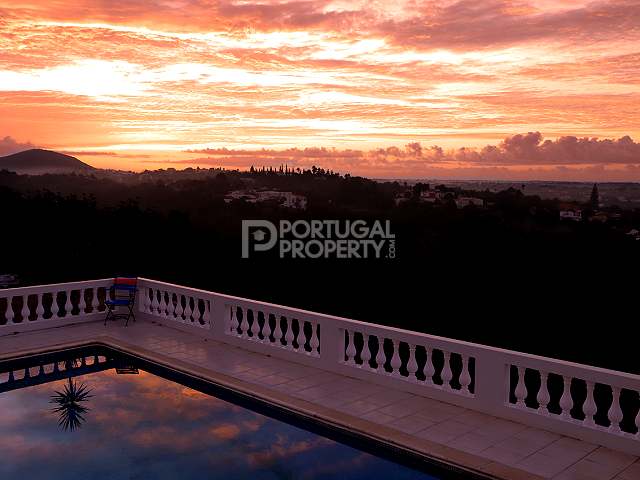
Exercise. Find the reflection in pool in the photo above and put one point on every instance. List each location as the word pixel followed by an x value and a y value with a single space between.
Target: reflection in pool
pixel 141 426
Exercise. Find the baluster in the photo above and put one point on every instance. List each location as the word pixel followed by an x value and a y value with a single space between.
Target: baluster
pixel 447 374
pixel 615 412
pixel 255 327
pixel 366 353
pixel 395 359
pixel 155 305
pixel 168 313
pixel 288 337
pixel 9 314
pixel 179 309
pixel 351 348
pixel 54 305
pixel 298 335
pixel 244 325
pixel 196 311
pixel 173 306
pixel 187 309
pixel 206 316
pixel 25 309
pixel 265 329
pixel 566 402
pixel 39 308
pixel 161 303
pixel 380 355
pixel 82 305
pixel 314 343
pixel 94 300
pixel 543 393
pixel 589 408
pixel 521 388
pixel 412 364
pixel 162 306
pixel 233 320
pixel 465 375
pixel 277 332
pixel 68 305
pixel 429 368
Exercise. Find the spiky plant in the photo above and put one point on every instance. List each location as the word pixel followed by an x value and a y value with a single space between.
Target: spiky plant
pixel 70 409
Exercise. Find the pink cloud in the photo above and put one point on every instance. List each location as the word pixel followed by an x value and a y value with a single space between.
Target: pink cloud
pixel 9 145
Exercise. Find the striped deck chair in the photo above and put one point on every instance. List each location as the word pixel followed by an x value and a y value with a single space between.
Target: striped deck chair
pixel 122 294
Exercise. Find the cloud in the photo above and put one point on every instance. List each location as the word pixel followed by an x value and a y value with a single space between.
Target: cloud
pixel 225 431
pixel 530 149
pixel 514 151
pixel 472 24
pixel 343 73
pixel 8 146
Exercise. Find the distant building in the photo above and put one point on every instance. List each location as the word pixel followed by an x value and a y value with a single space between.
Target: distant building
pixel 599 217
pixel 462 202
pixel 573 214
pixel 403 197
pixel 430 196
pixel 245 195
pixel 285 199
pixel 292 200
pixel 8 280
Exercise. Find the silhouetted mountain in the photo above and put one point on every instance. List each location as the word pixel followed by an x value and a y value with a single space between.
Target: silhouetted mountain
pixel 37 161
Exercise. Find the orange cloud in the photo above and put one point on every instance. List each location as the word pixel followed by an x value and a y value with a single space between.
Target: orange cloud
pixel 226 431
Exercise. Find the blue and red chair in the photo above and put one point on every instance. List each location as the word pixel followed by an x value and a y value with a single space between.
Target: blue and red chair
pixel 122 294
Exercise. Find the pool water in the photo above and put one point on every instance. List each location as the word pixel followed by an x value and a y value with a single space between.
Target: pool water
pixel 137 425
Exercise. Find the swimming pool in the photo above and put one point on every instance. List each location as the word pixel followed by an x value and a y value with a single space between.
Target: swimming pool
pixel 96 413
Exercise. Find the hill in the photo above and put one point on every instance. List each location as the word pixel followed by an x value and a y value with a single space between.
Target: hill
pixel 37 161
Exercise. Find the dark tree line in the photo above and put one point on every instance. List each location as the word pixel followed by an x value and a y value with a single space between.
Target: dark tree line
pixel 511 275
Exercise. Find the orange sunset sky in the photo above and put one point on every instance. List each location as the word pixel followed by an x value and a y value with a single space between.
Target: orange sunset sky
pixel 544 89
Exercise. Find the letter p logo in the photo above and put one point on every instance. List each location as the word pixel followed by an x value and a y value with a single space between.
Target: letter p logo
pixel 254 233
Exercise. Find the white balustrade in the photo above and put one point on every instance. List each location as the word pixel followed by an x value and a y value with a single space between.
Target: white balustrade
pixel 585 413
pixel 175 305
pixel 28 308
pixel 593 404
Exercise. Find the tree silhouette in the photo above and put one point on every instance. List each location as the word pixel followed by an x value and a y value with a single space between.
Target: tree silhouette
pixel 70 409
pixel 595 197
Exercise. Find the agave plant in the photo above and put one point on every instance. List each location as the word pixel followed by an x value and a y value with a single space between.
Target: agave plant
pixel 70 409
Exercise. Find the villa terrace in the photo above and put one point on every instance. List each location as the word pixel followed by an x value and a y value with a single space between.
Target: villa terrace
pixel 490 411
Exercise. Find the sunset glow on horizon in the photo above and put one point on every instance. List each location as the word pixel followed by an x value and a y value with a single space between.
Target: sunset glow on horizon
pixel 493 89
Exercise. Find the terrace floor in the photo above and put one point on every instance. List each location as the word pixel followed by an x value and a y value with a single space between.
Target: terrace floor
pixel 455 435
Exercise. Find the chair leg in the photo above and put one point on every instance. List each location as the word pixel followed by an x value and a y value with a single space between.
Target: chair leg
pixel 131 315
